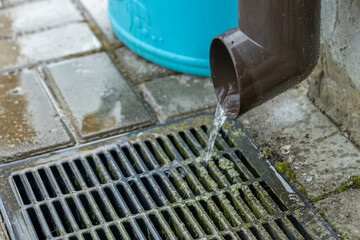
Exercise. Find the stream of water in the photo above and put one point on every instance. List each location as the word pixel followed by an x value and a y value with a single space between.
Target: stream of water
pixel 219 120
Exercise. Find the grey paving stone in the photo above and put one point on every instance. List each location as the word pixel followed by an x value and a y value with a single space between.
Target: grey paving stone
pixel 99 99
pixel 98 11
pixel 51 44
pixel 342 211
pixel 179 95
pixel 137 68
pixel 29 124
pixel 37 15
pixel 321 157
pixel 10 3
pixel 3 231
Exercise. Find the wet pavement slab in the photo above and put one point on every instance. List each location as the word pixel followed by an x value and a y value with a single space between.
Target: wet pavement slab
pixel 10 3
pixel 29 124
pixel 100 101
pixel 138 69
pixel 179 95
pixel 321 157
pixel 47 45
pixel 23 18
pixel 97 10
pixel 343 212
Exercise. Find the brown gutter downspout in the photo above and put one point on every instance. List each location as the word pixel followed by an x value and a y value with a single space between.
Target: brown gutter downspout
pixel 275 46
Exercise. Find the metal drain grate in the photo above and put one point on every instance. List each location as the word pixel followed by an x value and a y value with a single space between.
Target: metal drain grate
pixel 150 184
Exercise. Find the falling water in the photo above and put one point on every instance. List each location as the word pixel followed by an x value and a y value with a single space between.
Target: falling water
pixel 219 120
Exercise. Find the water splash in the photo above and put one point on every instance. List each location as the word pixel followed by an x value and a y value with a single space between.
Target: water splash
pixel 219 120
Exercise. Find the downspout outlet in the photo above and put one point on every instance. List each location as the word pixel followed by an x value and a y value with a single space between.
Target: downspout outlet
pixel 275 46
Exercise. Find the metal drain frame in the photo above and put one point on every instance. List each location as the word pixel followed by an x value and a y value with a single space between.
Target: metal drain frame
pixel 253 177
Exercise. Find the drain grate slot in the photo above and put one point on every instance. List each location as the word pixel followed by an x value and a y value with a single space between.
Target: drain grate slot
pixel 116 156
pixel 159 159
pixel 132 160
pixel 130 230
pixel 36 223
pixel 71 175
pixel 101 206
pixel 165 148
pixel 200 218
pixel 198 137
pixel 116 233
pixel 115 203
pixel 247 164
pixel 174 225
pixel 109 168
pixel 34 186
pixel 50 221
pixel 145 229
pixel 59 180
pixel 84 173
pixel 153 185
pixel 153 193
pixel 273 196
pixel 101 234
pixel 217 143
pixel 256 233
pixel 178 146
pixel 270 230
pixel 241 212
pixel 181 188
pixel 96 170
pixel 87 236
pixel 63 217
pixel 299 227
pixel 76 213
pixel 89 210
pixel 130 201
pixel 140 195
pixel 187 222
pixel 19 183
pixel 164 188
pixel 225 211
pixel 213 216
pixel 144 157
pixel 202 176
pixel 47 184
pixel 189 143
pixel 227 139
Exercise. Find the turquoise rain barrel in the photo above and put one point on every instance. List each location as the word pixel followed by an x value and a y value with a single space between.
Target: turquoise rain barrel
pixel 172 33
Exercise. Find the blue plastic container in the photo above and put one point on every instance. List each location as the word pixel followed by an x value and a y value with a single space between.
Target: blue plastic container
pixel 172 33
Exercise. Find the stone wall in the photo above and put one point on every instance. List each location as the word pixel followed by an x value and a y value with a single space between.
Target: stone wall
pixel 335 83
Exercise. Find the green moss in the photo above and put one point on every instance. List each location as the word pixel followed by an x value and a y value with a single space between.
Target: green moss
pixel 317 199
pixel 356 181
pixel 228 166
pixel 303 191
pixel 268 151
pixel 342 188
pixel 225 164
pixel 237 186
pixel 321 213
pixel 286 169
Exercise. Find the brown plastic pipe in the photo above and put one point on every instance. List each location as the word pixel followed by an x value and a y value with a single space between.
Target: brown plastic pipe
pixel 275 46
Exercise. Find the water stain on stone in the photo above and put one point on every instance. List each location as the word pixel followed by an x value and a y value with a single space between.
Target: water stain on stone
pixel 15 127
pixel 102 118
pixel 5 25
pixel 10 53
